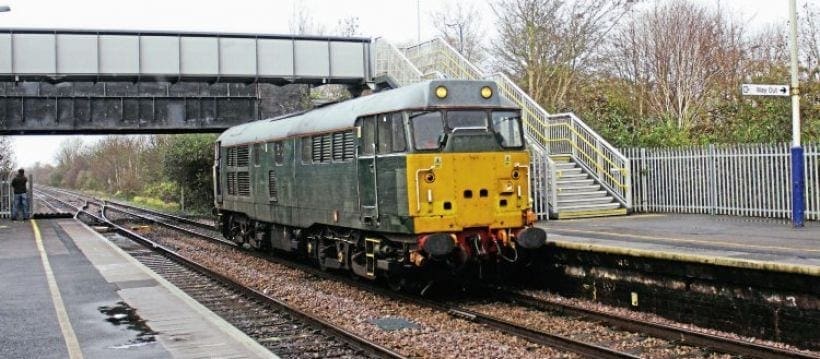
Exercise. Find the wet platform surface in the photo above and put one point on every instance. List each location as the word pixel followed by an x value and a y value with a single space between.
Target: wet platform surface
pixel 723 240
pixel 73 294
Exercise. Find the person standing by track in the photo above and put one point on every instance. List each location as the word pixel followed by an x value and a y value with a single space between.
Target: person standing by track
pixel 20 186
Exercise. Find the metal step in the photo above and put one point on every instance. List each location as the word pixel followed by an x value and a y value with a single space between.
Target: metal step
pixel 580 194
pixel 578 188
pixel 570 203
pixel 566 166
pixel 575 182
pixel 569 171
pixel 592 213
pixel 588 207
pixel 572 176
pixel 561 158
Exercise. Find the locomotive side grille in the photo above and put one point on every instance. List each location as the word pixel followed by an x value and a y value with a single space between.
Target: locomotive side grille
pixel 231 156
pixel 242 155
pixel 317 149
pixel 327 148
pixel 272 192
pixel 349 146
pixel 243 184
pixel 231 183
pixel 338 146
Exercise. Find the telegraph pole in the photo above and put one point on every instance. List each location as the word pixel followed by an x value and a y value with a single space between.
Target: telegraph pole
pixel 798 165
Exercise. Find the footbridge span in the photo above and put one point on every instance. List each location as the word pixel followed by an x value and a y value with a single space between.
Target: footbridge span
pixel 65 81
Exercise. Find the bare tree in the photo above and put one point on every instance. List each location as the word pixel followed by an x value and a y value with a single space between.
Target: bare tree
pixel 302 23
pixel 461 25
pixel 680 56
pixel 545 44
pixel 7 160
pixel 348 26
pixel 810 42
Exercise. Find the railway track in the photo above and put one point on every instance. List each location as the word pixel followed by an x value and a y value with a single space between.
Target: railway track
pixel 286 331
pixel 668 332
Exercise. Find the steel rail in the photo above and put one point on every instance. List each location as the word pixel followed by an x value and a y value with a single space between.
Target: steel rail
pixel 161 214
pixel 535 336
pixel 668 332
pixel 342 333
pixel 78 210
pixel 665 331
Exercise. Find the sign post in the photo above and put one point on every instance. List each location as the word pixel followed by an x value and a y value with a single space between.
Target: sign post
pixel 798 161
pixel 764 90
pixel 797 158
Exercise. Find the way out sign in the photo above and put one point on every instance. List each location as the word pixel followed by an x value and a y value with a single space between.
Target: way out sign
pixel 764 90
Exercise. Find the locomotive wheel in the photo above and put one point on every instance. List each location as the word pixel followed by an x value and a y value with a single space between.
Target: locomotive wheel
pixel 325 249
pixel 234 232
pixel 247 231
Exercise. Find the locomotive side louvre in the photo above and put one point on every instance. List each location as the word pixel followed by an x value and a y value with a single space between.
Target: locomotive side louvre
pixel 428 175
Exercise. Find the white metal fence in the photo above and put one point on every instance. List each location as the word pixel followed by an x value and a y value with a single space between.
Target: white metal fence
pixel 5 199
pixel 742 180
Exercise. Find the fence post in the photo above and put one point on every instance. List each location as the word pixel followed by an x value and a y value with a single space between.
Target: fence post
pixel 643 172
pixel 30 196
pixel 712 180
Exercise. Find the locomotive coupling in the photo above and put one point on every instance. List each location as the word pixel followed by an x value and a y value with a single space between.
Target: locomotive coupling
pixel 438 244
pixel 531 237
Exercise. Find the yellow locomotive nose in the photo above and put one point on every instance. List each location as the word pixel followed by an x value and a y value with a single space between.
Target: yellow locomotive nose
pixel 467 190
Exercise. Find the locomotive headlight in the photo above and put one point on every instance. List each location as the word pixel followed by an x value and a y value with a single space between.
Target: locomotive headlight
pixel 441 92
pixel 486 92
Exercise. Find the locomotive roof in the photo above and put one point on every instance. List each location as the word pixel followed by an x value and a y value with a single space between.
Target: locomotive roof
pixel 343 115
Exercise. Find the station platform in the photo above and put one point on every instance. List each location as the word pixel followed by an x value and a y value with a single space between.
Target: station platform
pixel 67 292
pixel 751 243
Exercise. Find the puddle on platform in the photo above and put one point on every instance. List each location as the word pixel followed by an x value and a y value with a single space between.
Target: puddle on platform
pixel 123 314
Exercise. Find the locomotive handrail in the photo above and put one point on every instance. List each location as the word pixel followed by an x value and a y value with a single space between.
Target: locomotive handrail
pixel 418 185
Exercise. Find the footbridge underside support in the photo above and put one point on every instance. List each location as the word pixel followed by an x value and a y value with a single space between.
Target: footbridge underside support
pixel 69 81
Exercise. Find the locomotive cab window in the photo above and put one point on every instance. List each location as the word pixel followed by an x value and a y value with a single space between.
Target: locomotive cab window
pixel 257 154
pixel 391 137
pixel 278 153
pixel 368 134
pixel 472 120
pixel 507 126
pixel 428 129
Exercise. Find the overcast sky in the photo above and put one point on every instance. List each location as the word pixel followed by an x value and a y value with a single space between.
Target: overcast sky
pixel 392 19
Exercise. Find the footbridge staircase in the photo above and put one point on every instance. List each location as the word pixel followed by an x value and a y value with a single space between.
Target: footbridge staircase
pixel 575 173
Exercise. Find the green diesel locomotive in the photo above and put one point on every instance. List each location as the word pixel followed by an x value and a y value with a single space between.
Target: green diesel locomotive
pixel 434 174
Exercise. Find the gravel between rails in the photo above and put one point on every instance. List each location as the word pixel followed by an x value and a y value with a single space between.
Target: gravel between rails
pixel 581 329
pixel 649 317
pixel 437 335
pixel 576 328
pixel 274 329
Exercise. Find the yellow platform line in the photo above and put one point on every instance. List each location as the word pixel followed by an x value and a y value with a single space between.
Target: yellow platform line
pixel 71 342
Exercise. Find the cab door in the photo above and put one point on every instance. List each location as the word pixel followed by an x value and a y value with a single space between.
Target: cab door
pixel 217 174
pixel 367 164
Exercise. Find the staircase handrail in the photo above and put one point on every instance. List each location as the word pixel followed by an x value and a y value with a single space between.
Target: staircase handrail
pixel 405 72
pixel 592 151
pixel 536 130
pixel 451 54
pixel 598 138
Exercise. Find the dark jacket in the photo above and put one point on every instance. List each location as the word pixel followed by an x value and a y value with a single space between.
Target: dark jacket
pixel 19 184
